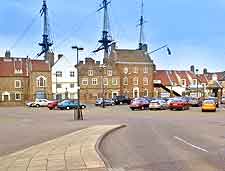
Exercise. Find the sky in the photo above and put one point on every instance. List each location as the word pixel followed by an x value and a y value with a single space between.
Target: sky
pixel 194 30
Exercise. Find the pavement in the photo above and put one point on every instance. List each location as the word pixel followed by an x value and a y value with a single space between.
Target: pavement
pixel 72 152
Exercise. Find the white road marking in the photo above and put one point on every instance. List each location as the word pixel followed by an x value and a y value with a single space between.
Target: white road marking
pixel 199 148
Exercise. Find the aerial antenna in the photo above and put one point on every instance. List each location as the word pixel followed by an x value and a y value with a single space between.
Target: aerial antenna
pixel 141 24
pixel 106 40
pixel 46 43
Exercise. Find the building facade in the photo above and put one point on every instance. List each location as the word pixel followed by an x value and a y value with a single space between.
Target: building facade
pixel 23 79
pixel 64 79
pixel 124 72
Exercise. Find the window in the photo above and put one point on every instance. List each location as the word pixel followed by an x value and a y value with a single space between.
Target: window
pixel 114 81
pixel 17 96
pixel 125 81
pixel 183 82
pixel 58 85
pixel 94 81
pixel 145 80
pixel 135 69
pixel 72 74
pixel 145 92
pixel 195 82
pixel 41 82
pixel 105 81
pixel 145 69
pixel 17 83
pixel 135 81
pixel 72 85
pixel 85 82
pixel 90 73
pixel 109 73
pixel 125 70
pixel 58 73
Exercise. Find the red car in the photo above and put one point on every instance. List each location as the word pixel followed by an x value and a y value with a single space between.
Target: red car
pixel 139 103
pixel 52 105
pixel 179 104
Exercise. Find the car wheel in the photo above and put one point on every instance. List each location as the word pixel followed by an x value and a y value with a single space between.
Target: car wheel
pixel 68 108
pixel 37 105
pixel 132 109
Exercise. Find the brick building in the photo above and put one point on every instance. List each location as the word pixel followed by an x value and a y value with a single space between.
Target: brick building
pixel 124 72
pixel 23 79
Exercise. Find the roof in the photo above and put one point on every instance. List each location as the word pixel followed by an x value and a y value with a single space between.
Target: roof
pixel 220 76
pixel 183 75
pixel 125 55
pixel 40 65
pixel 162 76
pixel 19 66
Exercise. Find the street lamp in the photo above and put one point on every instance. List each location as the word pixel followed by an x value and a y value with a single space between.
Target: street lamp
pixel 79 114
pixel 103 86
pixel 197 80
pixel 165 46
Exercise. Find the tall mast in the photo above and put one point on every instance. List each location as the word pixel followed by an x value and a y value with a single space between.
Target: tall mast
pixel 46 43
pixel 141 24
pixel 106 38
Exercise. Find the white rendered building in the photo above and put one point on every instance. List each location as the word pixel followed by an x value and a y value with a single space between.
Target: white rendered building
pixel 64 79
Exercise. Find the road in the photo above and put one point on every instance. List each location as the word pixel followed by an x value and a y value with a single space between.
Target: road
pixel 152 141
pixel 168 141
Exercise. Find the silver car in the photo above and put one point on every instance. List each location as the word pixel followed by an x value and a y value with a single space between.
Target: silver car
pixel 158 104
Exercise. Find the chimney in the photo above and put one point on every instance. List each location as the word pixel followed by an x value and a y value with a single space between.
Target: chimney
pixel 50 58
pixel 7 54
pixel 192 68
pixel 81 62
pixel 205 71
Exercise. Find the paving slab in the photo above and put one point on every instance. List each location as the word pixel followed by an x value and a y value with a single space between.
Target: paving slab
pixel 72 152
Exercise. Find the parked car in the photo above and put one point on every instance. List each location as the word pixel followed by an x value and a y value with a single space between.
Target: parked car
pixel 179 104
pixel 195 102
pixel 39 103
pixel 121 100
pixel 70 104
pixel 214 99
pixel 223 100
pixel 107 102
pixel 158 104
pixel 209 105
pixel 139 103
pixel 52 105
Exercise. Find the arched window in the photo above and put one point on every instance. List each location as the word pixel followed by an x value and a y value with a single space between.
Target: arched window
pixel 41 81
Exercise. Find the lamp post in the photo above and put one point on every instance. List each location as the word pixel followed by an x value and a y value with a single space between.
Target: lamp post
pixel 103 86
pixel 197 80
pixel 79 114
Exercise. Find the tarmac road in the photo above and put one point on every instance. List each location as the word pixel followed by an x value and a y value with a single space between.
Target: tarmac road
pixel 168 141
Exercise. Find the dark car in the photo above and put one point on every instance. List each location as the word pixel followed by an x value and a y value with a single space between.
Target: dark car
pixel 139 103
pixel 179 104
pixel 121 100
pixel 70 104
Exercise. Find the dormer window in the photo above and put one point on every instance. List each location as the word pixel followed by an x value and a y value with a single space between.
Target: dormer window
pixel 195 82
pixel 183 82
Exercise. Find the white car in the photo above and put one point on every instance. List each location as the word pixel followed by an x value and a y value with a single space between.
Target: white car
pixel 38 103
